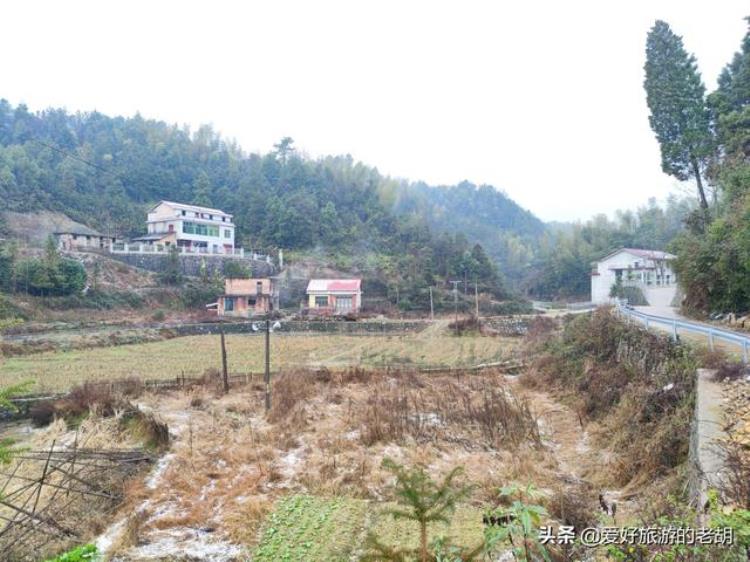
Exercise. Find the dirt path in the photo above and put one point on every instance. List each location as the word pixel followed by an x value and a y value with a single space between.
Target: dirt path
pixel 562 432
pixel 436 327
pixel 578 460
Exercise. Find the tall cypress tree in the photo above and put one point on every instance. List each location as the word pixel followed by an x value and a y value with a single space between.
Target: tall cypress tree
pixel 676 97
pixel 730 106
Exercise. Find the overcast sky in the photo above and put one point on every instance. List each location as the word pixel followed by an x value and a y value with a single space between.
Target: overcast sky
pixel 543 100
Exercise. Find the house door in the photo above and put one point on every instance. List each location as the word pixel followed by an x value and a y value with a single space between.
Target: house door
pixel 343 304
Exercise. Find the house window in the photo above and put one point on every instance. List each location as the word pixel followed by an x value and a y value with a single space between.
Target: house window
pixel 227 233
pixel 228 304
pixel 200 229
pixel 211 217
pixel 321 301
pixel 183 213
pixel 223 219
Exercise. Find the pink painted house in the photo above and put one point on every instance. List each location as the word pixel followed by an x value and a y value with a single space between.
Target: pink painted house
pixel 334 296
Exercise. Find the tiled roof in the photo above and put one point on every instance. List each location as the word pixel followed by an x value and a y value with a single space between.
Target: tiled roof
pixel 650 254
pixel 80 230
pixel 195 208
pixel 349 285
pixel 645 254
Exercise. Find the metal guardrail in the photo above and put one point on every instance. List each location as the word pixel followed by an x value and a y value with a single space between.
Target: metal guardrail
pixel 676 325
pixel 549 305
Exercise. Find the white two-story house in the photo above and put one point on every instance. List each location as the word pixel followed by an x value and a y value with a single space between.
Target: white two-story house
pixel 192 227
pixel 650 270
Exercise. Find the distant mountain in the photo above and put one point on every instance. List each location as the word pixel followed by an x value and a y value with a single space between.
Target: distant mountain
pixel 509 233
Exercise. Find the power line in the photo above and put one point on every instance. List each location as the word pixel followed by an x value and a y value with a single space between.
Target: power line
pixel 75 157
pixel 84 161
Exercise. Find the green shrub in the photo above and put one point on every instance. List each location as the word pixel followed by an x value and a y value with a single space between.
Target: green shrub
pixel 172 273
pixel 510 307
pixel 50 278
pixel 200 294
pixel 9 311
pixel 97 300
pixel 234 269
pixel 85 552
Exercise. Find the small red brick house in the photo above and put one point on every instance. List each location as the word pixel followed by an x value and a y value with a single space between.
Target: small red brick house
pixel 246 297
pixel 334 296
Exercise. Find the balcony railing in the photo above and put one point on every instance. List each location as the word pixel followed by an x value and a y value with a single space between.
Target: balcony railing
pixel 140 248
pixel 649 282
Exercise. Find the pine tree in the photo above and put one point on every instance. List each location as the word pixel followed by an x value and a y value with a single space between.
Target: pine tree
pixel 202 190
pixel 676 98
pixel 425 502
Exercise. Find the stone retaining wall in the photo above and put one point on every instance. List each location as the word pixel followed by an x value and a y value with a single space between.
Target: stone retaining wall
pixel 191 265
pixel 300 327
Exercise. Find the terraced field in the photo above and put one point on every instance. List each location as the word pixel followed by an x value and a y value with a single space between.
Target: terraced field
pixel 193 355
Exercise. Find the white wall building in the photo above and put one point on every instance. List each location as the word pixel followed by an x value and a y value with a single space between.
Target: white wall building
pixel 190 226
pixel 649 270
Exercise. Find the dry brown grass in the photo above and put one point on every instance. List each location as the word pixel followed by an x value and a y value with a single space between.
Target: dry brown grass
pixel 452 410
pixel 244 522
pixel 85 514
pixel 231 460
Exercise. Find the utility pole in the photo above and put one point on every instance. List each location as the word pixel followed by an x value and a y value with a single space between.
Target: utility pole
pixel 432 311
pixel 476 299
pixel 455 302
pixel 268 360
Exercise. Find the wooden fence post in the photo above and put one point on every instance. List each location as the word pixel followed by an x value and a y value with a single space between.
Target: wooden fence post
pixel 224 362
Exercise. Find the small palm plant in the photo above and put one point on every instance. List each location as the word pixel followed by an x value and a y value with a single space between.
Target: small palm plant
pixel 425 502
pixel 519 526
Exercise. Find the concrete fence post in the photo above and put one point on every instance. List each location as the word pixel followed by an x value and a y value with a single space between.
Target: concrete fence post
pixel 674 329
pixel 647 325
pixel 711 339
pixel 744 352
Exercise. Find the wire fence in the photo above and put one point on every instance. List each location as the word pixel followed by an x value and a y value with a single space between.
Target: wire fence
pixel 135 385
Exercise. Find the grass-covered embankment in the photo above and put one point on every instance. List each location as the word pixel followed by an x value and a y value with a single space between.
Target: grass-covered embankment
pixel 635 387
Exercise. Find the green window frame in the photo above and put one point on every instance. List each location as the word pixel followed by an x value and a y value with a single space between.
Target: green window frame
pixel 200 229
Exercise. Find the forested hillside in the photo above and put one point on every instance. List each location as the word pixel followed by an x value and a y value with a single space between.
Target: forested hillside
pixel 509 233
pixel 105 172
pixel 706 139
